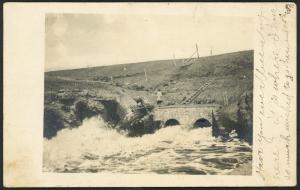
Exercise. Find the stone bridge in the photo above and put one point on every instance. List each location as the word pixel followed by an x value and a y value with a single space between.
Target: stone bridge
pixel 191 115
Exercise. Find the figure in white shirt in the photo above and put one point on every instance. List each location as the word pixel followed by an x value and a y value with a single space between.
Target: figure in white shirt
pixel 159 95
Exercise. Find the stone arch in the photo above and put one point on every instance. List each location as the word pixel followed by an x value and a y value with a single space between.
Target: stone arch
pixel 201 123
pixel 171 122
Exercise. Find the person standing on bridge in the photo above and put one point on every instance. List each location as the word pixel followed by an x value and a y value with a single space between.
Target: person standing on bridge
pixel 159 95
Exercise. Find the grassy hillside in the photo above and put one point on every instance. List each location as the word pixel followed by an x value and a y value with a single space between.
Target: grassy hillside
pixel 232 74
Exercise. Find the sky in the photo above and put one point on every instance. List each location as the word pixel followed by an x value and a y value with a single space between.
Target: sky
pixel 88 40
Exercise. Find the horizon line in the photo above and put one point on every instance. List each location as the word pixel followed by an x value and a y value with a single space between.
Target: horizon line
pixel 66 69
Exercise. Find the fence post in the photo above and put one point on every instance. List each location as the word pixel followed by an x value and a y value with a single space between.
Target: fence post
pixel 197 51
pixel 145 75
pixel 174 62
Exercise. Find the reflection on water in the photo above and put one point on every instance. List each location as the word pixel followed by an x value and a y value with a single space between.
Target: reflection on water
pixel 93 147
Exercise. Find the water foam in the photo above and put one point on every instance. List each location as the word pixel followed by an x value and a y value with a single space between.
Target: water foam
pixel 106 147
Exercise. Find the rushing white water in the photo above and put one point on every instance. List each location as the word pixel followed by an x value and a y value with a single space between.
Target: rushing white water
pixel 94 147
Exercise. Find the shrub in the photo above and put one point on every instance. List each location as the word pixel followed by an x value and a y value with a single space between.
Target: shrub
pixel 53 122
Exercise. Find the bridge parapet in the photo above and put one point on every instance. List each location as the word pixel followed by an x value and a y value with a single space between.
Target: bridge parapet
pixel 186 114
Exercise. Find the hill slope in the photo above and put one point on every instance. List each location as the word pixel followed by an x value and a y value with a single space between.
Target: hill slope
pixel 232 74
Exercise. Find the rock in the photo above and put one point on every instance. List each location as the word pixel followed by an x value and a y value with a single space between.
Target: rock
pixel 95 106
pixel 245 117
pixel 139 122
pixel 53 122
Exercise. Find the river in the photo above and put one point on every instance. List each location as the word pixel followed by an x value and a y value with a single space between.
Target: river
pixel 95 147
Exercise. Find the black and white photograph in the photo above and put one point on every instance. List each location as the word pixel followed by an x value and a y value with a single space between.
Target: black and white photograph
pixel 140 94
pixel 149 94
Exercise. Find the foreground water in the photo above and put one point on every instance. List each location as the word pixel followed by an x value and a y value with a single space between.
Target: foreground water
pixel 94 147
